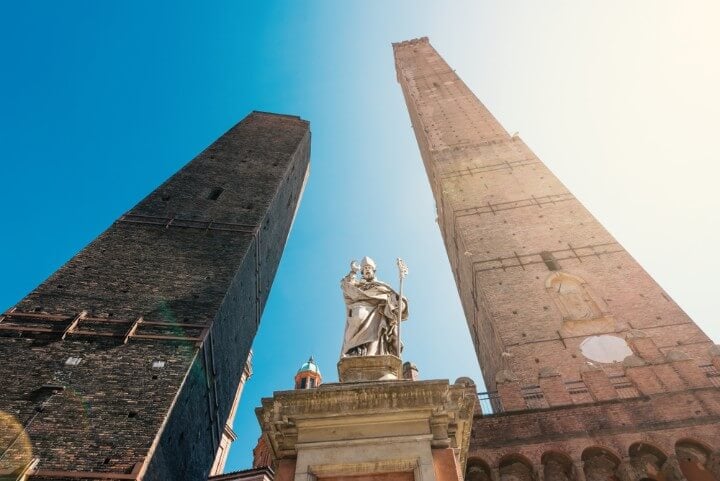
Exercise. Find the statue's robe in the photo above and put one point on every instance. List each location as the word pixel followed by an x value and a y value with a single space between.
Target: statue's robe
pixel 371 317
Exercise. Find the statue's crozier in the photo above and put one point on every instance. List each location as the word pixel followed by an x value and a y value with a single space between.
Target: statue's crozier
pixel 371 313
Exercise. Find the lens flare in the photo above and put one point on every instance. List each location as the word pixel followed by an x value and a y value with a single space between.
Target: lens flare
pixel 15 447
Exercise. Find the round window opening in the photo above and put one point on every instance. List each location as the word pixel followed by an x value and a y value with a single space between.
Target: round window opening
pixel 605 349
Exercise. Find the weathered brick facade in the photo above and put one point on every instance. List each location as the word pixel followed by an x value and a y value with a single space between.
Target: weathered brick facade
pixel 160 312
pixel 594 371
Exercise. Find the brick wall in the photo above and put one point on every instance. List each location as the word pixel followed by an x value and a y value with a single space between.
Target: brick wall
pixel 201 268
pixel 509 225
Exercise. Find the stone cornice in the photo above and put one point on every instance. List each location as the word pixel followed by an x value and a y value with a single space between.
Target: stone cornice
pixel 445 410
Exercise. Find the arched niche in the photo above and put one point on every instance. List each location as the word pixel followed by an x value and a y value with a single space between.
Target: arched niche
pixel 516 468
pixel 599 464
pixel 693 458
pixel 477 470
pixel 573 297
pixel 557 466
pixel 647 462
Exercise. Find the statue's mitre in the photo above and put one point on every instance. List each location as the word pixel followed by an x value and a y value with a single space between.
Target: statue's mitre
pixel 366 261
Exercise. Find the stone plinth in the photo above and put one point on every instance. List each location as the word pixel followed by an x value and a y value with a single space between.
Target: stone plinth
pixel 394 430
pixel 369 368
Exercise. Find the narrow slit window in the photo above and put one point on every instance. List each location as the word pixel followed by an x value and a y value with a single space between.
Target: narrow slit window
pixel 215 193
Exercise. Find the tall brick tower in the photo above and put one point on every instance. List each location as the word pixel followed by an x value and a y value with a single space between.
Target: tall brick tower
pixel 598 372
pixel 125 363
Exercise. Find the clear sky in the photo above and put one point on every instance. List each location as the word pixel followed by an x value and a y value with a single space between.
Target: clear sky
pixel 101 101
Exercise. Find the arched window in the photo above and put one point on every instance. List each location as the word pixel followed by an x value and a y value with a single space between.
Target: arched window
pixel 693 459
pixel 647 461
pixel 600 464
pixel 516 468
pixel 557 467
pixel 477 470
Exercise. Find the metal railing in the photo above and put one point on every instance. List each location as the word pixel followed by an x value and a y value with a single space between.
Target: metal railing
pixel 490 403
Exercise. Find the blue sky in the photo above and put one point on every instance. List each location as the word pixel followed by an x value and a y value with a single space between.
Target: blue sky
pixel 101 101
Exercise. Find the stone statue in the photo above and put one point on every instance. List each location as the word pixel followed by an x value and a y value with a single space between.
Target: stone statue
pixel 371 313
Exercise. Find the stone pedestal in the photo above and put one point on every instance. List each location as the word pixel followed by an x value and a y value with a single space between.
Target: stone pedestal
pixel 370 431
pixel 369 368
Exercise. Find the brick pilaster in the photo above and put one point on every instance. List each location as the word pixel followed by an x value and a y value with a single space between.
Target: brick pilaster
pixel 553 387
pixel 692 373
pixel 669 377
pixel 511 396
pixel 644 379
pixel 715 356
pixel 644 347
pixel 599 385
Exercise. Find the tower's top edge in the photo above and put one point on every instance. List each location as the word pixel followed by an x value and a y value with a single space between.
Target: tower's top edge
pixel 413 41
pixel 275 114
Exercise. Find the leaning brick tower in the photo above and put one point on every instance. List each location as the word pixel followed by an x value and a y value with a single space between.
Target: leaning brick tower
pixel 125 363
pixel 593 371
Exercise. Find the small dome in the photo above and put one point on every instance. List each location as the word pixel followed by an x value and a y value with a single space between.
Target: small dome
pixel 309 366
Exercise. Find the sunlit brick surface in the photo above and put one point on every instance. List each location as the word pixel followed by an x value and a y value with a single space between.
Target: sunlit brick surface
pixel 499 207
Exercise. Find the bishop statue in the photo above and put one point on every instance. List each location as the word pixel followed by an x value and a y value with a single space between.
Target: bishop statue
pixel 373 310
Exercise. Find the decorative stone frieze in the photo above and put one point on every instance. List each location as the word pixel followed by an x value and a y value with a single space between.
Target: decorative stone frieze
pixel 353 428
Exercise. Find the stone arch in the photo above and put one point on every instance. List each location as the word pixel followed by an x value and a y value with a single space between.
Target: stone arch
pixel 477 470
pixel 557 466
pixel 573 297
pixel 516 467
pixel 600 464
pixel 646 461
pixel 695 460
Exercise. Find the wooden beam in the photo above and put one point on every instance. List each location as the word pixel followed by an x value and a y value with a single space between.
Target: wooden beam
pixel 165 338
pixel 175 324
pixel 5 314
pixel 28 329
pixel 71 327
pixel 133 328
pixel 32 315
pixel 95 475
pixel 94 333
